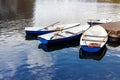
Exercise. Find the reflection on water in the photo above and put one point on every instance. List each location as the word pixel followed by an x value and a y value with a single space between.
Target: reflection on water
pixel 110 1
pixel 14 16
pixel 114 42
pixel 58 46
pixel 96 56
pixel 21 59
pixel 7 10
pixel 31 37
pixel 69 11
pixel 20 9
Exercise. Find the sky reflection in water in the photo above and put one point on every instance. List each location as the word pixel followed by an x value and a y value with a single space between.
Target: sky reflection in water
pixel 22 59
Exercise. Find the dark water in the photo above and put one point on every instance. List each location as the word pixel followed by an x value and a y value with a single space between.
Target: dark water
pixel 23 59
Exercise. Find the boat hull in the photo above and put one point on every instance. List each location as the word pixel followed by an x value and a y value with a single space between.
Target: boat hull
pixel 93 23
pixel 60 45
pixel 38 32
pixel 90 49
pixel 93 55
pixel 44 41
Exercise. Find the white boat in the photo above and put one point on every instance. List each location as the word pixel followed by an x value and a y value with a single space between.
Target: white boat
pixel 64 35
pixel 93 39
pixel 48 29
pixel 98 21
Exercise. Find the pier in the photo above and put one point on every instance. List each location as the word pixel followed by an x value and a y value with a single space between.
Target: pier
pixel 113 28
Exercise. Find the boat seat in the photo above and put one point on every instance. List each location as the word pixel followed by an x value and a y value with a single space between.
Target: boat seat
pixel 74 33
pixel 93 40
pixel 69 32
pixel 60 35
pixel 94 36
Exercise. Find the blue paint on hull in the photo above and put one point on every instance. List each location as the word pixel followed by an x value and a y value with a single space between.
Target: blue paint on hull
pixel 93 23
pixel 93 55
pixel 44 41
pixel 60 45
pixel 39 32
pixel 90 49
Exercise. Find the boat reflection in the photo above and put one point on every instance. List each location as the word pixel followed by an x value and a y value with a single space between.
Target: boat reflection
pixel 95 56
pixel 58 46
pixel 31 37
pixel 113 42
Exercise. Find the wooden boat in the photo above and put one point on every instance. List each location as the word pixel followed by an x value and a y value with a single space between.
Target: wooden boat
pixel 93 39
pixel 92 22
pixel 64 35
pixel 47 29
pixel 95 56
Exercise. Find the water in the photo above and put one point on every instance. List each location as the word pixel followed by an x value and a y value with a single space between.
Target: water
pixel 23 59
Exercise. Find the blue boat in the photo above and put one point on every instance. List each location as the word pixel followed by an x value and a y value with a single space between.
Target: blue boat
pixel 93 39
pixel 38 32
pixel 47 29
pixel 64 35
pixel 92 22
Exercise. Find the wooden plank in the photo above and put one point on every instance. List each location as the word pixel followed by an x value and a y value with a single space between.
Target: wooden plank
pixel 60 35
pixel 94 36
pixel 93 40
pixel 71 26
pixel 69 32
pixel 114 27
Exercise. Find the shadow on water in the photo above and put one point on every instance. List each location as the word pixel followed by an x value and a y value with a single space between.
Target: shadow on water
pixel 31 37
pixel 58 46
pixel 14 16
pixel 113 42
pixel 95 56
pixel 110 1
pixel 20 9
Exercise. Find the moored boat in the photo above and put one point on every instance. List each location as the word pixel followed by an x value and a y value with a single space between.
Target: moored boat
pixel 93 39
pixel 47 29
pixel 92 22
pixel 64 35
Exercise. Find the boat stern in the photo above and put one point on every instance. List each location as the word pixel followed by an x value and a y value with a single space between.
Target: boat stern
pixel 42 40
pixel 90 49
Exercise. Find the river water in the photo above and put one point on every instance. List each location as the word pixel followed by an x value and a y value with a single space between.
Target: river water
pixel 26 59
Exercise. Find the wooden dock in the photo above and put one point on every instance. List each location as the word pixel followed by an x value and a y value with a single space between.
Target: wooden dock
pixel 113 28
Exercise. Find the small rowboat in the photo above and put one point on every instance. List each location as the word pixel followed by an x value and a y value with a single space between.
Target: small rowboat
pixel 98 21
pixel 47 29
pixel 64 35
pixel 93 39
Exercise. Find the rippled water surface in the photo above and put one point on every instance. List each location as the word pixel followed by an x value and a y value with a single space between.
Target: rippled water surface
pixel 26 59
